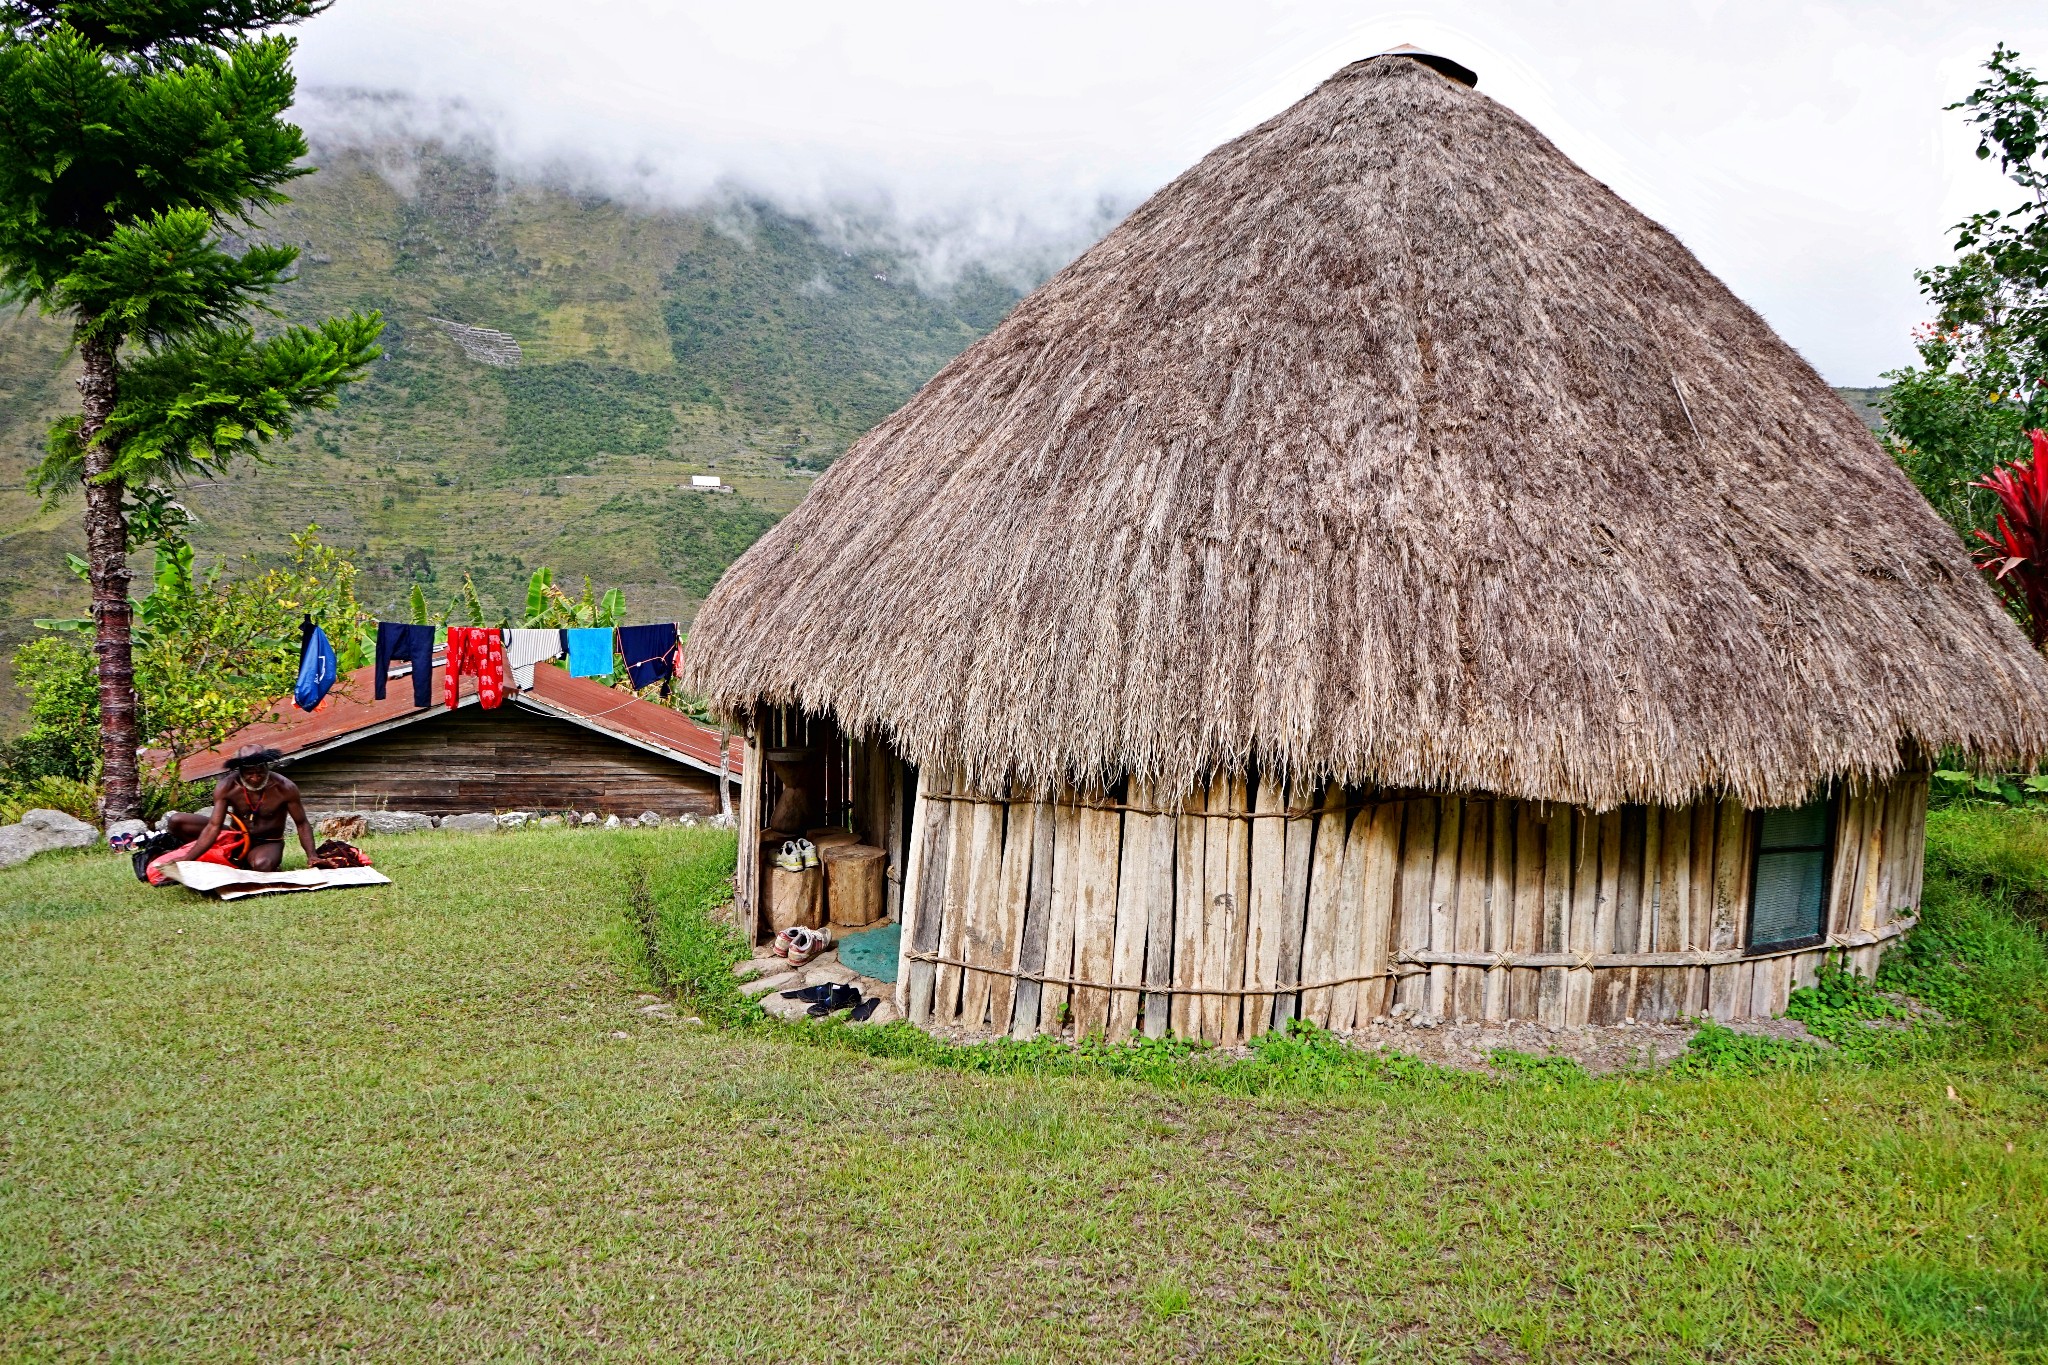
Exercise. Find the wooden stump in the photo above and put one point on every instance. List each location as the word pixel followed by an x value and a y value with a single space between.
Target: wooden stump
pixel 831 836
pixel 795 898
pixel 856 883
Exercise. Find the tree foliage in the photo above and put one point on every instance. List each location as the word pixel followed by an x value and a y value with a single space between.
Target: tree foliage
pixel 213 652
pixel 1982 381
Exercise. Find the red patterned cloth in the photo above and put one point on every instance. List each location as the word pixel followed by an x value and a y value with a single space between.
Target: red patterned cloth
pixel 479 650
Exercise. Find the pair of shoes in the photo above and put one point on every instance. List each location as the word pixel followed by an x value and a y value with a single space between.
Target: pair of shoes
pixel 837 996
pixel 804 944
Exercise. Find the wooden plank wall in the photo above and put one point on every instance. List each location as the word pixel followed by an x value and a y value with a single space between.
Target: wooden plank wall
pixel 507 759
pixel 1254 903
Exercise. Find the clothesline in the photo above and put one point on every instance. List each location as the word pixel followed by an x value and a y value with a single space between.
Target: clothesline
pixel 652 654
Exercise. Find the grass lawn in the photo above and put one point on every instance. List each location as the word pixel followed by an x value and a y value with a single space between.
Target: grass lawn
pixel 430 1121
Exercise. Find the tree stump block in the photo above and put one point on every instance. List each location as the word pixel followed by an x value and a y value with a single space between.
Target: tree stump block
pixel 795 899
pixel 856 882
pixel 831 836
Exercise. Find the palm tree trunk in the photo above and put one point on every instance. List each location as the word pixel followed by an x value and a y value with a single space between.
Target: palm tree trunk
pixel 106 553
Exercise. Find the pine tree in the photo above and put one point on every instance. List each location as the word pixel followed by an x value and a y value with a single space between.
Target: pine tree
pixel 135 136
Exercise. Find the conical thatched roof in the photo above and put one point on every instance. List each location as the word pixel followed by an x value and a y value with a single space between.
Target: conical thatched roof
pixel 1385 444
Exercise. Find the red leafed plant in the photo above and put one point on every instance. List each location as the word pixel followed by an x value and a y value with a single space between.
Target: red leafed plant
pixel 2016 556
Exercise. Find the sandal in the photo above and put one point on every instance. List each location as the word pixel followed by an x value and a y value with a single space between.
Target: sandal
pixel 840 997
pixel 810 994
pixel 865 1008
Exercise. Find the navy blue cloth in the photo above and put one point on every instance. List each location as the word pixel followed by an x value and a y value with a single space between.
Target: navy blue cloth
pixel 316 666
pixel 401 642
pixel 650 653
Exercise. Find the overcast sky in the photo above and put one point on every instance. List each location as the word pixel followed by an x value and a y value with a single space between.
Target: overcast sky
pixel 1800 150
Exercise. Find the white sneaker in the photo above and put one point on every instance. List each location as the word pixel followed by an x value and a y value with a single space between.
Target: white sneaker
pixel 809 851
pixel 791 859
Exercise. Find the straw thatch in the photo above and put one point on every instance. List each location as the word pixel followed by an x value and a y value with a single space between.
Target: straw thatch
pixel 1385 445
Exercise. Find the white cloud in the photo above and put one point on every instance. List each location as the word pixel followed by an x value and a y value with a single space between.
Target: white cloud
pixel 1801 151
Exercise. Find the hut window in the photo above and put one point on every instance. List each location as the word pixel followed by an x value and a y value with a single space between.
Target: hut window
pixel 1788 904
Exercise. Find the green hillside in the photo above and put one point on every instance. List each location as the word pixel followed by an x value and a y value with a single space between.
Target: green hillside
pixel 652 346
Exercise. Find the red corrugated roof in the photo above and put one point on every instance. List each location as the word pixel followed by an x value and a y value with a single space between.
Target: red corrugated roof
pixel 351 712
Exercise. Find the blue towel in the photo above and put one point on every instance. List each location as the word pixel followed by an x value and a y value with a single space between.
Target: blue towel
pixel 590 653
pixel 648 650
pixel 316 666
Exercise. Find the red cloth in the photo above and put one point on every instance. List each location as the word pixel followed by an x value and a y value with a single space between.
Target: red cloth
pixel 479 650
pixel 230 849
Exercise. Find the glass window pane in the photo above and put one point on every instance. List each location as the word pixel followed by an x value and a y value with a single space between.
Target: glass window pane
pixel 1788 898
pixel 1793 826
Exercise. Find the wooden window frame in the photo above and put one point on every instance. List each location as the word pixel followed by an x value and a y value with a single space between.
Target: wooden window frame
pixel 1826 849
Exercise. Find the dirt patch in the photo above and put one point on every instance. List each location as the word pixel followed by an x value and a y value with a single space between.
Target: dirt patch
pixel 1625 1047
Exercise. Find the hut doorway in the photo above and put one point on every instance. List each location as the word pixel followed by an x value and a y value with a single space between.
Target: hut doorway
pixel 850 798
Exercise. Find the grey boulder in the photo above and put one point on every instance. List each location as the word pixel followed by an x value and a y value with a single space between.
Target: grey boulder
pixel 395 822
pixel 648 819
pixel 128 827
pixel 41 831
pixel 513 819
pixel 476 822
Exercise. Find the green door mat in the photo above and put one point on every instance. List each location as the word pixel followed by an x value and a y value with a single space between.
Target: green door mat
pixel 872 952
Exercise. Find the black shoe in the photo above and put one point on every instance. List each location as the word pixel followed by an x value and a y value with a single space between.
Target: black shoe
pixel 840 997
pixel 865 1008
pixel 822 991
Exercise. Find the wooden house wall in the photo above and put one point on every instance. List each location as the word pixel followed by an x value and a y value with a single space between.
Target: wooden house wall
pixel 507 759
pixel 1245 908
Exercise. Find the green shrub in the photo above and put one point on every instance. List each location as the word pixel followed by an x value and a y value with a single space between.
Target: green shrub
pixel 1979 955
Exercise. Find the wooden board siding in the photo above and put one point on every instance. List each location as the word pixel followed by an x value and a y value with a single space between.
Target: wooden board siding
pixel 1253 903
pixel 506 759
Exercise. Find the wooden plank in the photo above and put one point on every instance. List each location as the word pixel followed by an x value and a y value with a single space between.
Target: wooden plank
pixel 1013 900
pixel 1159 906
pixel 1721 991
pixel 987 939
pixel 1674 870
pixel 898 816
pixel 1699 927
pixel 747 872
pixel 1028 1005
pixel 1532 834
pixel 1848 851
pixel 1916 844
pixel 932 834
pixel 1191 914
pixel 1557 903
pixel 1372 860
pixel 1443 902
pixel 1325 937
pixel 1098 856
pixel 1585 914
pixel 1469 918
pixel 1411 911
pixel 1268 906
pixel 960 871
pixel 1500 906
pixel 1055 1002
pixel 1134 893
pixel 1227 881
pixel 1730 879
pixel 1301 836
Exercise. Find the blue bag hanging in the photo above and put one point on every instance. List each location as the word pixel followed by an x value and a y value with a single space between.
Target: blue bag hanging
pixel 317 666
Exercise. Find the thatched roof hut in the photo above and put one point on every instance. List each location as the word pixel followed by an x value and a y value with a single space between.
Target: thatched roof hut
pixel 1384 450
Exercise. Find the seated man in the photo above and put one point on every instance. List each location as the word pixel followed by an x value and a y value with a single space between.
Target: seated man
pixel 246 828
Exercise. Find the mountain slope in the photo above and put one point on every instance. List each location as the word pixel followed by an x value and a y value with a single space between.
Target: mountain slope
pixel 652 345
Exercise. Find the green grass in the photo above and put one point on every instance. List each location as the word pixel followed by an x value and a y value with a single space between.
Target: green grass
pixel 397 1124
